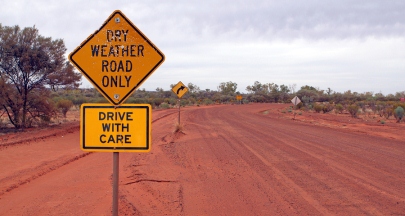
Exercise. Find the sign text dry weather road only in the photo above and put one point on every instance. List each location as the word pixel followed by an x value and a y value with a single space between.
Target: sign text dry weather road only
pixel 117 58
pixel 180 89
pixel 107 128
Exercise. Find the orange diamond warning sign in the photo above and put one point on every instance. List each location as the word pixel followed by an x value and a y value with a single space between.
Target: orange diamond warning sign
pixel 180 89
pixel 117 58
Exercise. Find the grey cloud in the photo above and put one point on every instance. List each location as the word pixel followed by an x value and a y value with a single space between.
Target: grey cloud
pixel 288 19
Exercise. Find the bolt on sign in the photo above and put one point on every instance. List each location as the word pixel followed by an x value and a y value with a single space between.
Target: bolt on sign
pixel 107 128
pixel 180 89
pixel 117 58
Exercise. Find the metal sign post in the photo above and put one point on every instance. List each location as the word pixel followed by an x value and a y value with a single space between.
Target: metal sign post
pixel 116 162
pixel 296 100
pixel 179 110
pixel 116 59
pixel 179 89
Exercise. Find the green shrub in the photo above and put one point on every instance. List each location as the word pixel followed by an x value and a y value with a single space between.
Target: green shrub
pixel 327 108
pixel 388 111
pixel 183 103
pixel 318 108
pixel 353 110
pixel 300 105
pixel 157 101
pixel 140 101
pixel 339 108
pixel 164 105
pixel 208 101
pixel 399 113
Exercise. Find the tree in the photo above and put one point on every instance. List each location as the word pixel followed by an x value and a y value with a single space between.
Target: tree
pixel 29 63
pixel 292 88
pixel 193 88
pixel 258 88
pixel 308 94
pixel 281 92
pixel 329 91
pixel 227 88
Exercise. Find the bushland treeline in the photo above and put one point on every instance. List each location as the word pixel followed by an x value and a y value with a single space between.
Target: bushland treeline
pixel 312 98
pixel 60 101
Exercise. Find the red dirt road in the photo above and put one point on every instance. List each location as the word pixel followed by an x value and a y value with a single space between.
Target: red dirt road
pixel 231 160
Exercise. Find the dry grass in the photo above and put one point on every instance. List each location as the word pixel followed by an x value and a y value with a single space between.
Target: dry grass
pixel 178 128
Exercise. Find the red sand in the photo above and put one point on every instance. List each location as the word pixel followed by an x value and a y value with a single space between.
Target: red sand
pixel 230 160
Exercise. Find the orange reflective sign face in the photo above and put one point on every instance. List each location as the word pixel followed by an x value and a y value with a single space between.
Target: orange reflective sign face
pixel 117 58
pixel 107 128
pixel 180 89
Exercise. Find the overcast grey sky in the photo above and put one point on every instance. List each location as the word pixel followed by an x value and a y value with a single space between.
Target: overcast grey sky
pixel 344 45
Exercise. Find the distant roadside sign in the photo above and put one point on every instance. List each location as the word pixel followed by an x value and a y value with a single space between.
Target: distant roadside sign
pixel 117 58
pixel 239 97
pixel 295 101
pixel 180 89
pixel 106 128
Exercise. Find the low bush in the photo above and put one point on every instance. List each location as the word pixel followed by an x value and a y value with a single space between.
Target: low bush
pixel 327 108
pixel 208 101
pixel 164 105
pixel 339 108
pixel 64 105
pixel 353 110
pixel 300 105
pixel 318 108
pixel 399 113
pixel 178 128
pixel 388 111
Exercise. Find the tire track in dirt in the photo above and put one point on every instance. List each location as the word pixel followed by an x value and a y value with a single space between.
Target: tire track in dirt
pixel 22 177
pixel 311 162
pixel 355 175
pixel 139 178
pixel 328 154
pixel 163 116
pixel 33 138
pixel 229 154
pixel 235 140
pixel 285 137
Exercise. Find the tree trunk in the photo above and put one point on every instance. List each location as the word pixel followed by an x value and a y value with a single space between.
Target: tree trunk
pixel 24 111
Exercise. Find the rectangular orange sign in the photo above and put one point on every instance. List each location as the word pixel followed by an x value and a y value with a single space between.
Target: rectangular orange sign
pixel 105 128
